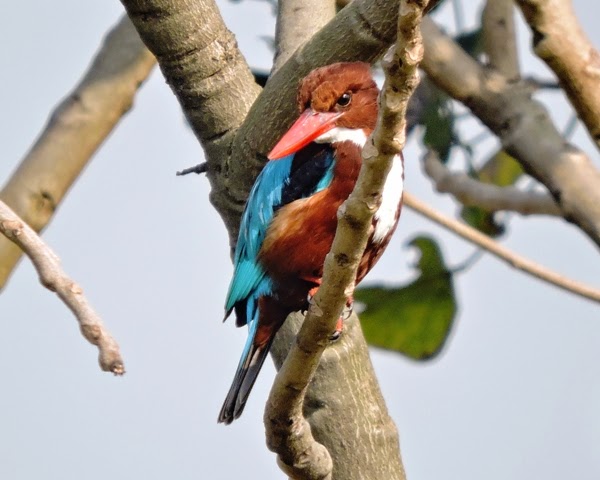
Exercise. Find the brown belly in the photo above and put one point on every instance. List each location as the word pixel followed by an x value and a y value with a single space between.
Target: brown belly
pixel 297 242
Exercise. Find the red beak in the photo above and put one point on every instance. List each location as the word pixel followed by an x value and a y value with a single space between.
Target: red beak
pixel 309 126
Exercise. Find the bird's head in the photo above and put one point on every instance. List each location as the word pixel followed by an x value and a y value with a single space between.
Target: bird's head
pixel 337 103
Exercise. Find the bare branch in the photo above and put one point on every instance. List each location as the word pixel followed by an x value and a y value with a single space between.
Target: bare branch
pixel 559 40
pixel 503 253
pixel 47 264
pixel 470 191
pixel 499 37
pixel 75 130
pixel 523 126
pixel 297 22
pixel 287 430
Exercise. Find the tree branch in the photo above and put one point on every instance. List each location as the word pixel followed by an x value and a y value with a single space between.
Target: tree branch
pixel 523 126
pixel 503 253
pixel 470 191
pixel 202 63
pixel 287 431
pixel 499 37
pixel 559 40
pixel 76 128
pixel 54 279
pixel 297 22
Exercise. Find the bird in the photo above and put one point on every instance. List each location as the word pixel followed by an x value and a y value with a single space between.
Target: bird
pixel 290 217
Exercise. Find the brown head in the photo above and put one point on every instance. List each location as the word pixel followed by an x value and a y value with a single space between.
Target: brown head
pixel 340 95
pixel 342 87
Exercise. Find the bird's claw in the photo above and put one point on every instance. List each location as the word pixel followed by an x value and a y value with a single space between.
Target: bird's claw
pixel 335 336
pixel 347 312
pixel 339 327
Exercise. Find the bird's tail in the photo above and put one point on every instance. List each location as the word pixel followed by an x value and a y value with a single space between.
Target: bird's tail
pixel 254 355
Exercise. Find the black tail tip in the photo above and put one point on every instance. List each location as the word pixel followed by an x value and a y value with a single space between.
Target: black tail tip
pixel 230 411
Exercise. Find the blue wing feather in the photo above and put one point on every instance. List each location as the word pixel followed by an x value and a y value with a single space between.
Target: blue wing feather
pixel 264 197
pixel 280 182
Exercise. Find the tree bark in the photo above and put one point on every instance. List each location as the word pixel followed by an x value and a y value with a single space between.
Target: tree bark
pixel 344 406
pixel 559 40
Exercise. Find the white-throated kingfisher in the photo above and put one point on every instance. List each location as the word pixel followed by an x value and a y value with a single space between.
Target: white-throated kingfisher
pixel 290 217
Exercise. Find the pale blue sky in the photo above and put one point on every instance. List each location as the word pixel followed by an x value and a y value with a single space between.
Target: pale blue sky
pixel 514 395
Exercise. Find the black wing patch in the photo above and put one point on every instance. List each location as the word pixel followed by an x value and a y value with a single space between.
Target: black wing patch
pixel 312 169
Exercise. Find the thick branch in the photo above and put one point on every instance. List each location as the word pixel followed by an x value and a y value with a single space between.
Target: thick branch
pixel 75 130
pixel 559 40
pixel 297 22
pixel 53 278
pixel 288 433
pixel 202 63
pixel 499 37
pixel 503 253
pixel 470 191
pixel 522 124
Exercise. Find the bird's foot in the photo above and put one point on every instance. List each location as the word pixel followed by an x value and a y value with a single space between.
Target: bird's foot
pixel 348 309
pixel 339 327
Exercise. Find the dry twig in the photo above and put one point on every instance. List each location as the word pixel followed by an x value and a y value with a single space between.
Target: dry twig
pixel 503 253
pixel 47 264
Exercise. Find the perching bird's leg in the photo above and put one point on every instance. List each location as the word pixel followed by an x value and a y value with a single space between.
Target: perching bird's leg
pixel 339 326
pixel 337 333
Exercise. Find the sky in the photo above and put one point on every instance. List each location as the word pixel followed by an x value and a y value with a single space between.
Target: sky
pixel 515 393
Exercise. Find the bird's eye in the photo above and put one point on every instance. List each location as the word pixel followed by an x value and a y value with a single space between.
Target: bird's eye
pixel 344 100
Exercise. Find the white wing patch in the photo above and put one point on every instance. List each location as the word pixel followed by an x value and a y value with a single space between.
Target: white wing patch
pixel 392 192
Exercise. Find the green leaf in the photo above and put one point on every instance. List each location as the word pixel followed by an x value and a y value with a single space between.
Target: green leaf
pixel 483 220
pixel 438 119
pixel 413 319
pixel 502 170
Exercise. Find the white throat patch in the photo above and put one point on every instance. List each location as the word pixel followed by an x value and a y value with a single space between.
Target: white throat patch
pixel 342 134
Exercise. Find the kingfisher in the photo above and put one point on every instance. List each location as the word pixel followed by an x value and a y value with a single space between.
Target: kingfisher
pixel 290 218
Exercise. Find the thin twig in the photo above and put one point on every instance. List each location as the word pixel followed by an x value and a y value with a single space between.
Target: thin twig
pixel 198 169
pixel 503 253
pixel 52 276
